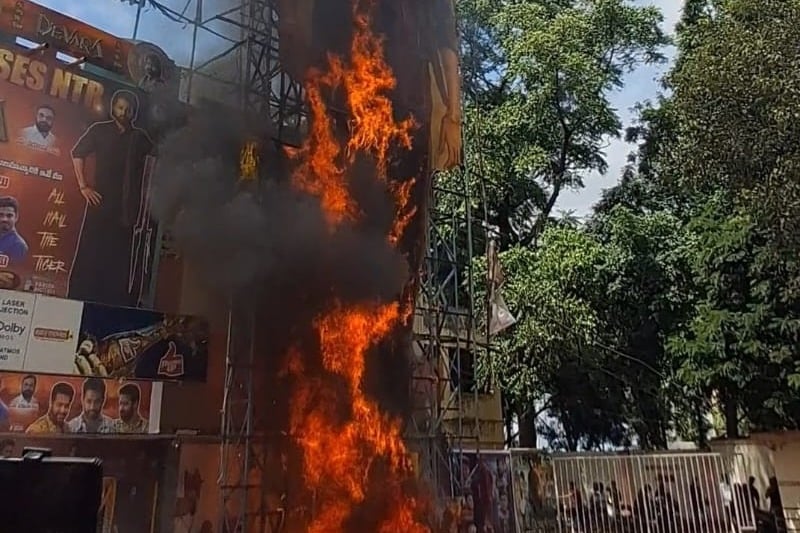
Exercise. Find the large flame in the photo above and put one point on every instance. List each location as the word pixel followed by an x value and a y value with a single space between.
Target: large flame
pixel 342 433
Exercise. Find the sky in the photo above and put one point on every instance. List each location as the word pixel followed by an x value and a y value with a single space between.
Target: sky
pixel 119 18
pixel 641 85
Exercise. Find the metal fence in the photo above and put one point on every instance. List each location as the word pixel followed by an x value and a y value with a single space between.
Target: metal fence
pixel 664 493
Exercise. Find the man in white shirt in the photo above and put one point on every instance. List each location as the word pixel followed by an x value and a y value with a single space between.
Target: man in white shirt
pixel 92 419
pixel 40 135
pixel 26 399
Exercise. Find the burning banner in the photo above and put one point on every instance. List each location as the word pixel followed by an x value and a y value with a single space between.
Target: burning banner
pixel 325 245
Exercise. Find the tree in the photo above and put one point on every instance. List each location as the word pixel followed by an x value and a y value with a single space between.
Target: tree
pixel 551 361
pixel 723 144
pixel 740 340
pixel 537 78
pixel 684 287
pixel 641 300
pixel 736 93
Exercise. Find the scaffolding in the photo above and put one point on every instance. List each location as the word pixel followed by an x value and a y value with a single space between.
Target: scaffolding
pixel 445 335
pixel 234 60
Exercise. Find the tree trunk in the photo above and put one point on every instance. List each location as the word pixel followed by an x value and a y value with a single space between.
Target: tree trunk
pixel 701 425
pixel 527 430
pixel 508 419
pixel 731 410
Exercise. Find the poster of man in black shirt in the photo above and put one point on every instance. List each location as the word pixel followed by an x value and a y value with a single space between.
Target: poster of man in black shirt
pixel 116 199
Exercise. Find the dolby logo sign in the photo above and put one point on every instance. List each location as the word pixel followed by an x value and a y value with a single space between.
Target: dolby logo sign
pixel 12 327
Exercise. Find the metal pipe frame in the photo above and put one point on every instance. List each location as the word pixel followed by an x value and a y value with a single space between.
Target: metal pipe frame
pixel 248 32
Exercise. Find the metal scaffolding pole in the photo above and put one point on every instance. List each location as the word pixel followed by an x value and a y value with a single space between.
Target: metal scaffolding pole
pixel 235 61
pixel 445 336
pixel 235 57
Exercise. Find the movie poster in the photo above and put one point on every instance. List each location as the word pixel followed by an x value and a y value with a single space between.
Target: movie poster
pixel 75 162
pixel 534 492
pixel 42 334
pixel 35 404
pixel 485 486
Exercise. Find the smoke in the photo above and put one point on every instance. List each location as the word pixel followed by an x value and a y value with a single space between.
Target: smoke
pixel 273 248
pixel 270 238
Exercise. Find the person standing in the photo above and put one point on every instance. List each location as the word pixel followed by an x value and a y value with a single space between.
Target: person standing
pixel 114 203
pixel 755 497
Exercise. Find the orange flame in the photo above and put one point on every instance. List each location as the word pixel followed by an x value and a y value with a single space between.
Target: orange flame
pixel 373 127
pixel 321 173
pixel 341 432
pixel 248 162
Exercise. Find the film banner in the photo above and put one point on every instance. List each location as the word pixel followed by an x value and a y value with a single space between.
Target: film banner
pixel 44 404
pixel 42 334
pixel 75 161
pixel 144 64
pixel 535 501
pixel 485 489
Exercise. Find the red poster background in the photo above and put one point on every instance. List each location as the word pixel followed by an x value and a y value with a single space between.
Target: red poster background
pixel 44 200
pixel 38 196
pixel 20 419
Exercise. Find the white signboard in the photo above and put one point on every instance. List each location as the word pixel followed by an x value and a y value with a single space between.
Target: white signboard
pixel 38 332
pixel 16 314
pixel 53 338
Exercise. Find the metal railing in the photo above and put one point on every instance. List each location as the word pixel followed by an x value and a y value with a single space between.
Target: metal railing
pixel 653 493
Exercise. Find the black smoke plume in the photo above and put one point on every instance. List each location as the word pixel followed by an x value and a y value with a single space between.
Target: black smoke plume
pixel 270 247
pixel 270 240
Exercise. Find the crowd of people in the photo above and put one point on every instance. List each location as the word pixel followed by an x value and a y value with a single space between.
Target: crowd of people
pixel 720 509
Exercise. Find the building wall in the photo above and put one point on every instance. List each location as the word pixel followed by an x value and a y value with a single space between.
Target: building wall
pixel 481 423
pixel 471 421
pixel 771 454
pixel 193 406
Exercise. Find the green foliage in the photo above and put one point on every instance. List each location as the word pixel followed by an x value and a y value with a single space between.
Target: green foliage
pixel 683 289
pixel 537 79
pixel 736 96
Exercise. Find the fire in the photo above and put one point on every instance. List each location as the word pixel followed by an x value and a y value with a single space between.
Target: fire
pixel 345 439
pixel 321 173
pixel 248 162
pixel 372 127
